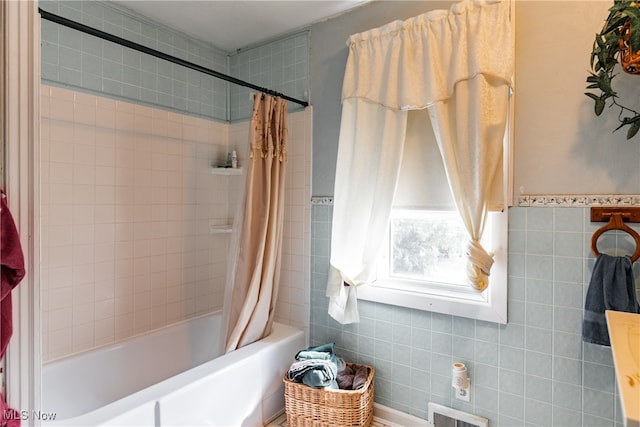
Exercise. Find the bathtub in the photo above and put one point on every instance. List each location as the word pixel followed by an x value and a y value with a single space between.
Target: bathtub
pixel 172 377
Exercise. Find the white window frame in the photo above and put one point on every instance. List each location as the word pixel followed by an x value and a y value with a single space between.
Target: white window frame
pixel 492 304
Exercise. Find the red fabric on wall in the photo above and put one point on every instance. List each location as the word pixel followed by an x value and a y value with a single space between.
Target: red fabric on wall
pixel 11 270
pixel 9 417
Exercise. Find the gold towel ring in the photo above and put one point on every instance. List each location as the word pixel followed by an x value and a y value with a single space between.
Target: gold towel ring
pixel 616 223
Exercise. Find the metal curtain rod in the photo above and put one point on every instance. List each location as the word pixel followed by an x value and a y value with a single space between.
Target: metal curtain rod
pixel 135 46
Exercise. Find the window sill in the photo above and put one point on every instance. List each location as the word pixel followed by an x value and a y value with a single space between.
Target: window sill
pixel 493 309
pixel 490 306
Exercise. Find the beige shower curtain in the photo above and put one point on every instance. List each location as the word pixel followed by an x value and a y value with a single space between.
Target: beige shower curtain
pixel 257 273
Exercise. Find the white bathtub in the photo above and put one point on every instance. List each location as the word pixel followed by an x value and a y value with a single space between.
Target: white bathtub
pixel 172 377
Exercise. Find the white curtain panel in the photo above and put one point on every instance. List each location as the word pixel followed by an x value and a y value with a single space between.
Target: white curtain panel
pixel 470 128
pixel 367 172
pixel 407 65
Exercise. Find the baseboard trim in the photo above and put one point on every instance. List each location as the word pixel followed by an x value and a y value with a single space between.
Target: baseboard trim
pixel 383 414
pixel 395 418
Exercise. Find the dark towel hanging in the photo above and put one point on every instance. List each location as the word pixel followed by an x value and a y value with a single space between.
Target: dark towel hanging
pixel 612 287
pixel 11 270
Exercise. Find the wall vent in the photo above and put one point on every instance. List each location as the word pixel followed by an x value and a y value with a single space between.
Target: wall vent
pixel 442 416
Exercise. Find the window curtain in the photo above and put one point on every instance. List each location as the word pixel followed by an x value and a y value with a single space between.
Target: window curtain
pixel 470 129
pixel 458 63
pixel 257 271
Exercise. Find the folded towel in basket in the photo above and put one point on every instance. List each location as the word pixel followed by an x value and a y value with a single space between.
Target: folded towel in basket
pixel 324 351
pixel 316 367
pixel 314 373
pixel 345 378
pixel 360 377
pixel 353 377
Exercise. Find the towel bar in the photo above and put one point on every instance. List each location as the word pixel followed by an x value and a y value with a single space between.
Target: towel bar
pixel 615 217
pixel 603 214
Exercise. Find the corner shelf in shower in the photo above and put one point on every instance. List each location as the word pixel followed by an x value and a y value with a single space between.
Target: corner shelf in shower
pixel 220 229
pixel 226 171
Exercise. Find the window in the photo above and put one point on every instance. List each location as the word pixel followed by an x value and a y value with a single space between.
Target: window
pixel 422 264
pixel 437 281
pixel 424 247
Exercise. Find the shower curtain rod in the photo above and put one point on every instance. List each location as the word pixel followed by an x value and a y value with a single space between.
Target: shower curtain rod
pixel 135 46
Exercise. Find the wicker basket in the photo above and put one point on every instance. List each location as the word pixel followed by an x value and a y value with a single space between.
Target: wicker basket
pixel 315 407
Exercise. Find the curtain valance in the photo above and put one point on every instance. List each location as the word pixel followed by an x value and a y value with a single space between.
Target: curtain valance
pixel 425 56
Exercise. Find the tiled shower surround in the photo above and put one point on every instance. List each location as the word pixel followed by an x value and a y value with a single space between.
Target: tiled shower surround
pixel 128 197
pixel 127 201
pixel 534 371
pixel 127 141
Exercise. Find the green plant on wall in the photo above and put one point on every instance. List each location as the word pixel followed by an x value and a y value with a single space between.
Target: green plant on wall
pixel 607 50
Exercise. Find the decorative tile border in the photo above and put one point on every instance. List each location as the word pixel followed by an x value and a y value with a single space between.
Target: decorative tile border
pixel 579 200
pixel 321 200
pixel 563 200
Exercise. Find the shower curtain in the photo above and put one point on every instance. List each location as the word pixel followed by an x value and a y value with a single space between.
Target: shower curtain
pixel 257 271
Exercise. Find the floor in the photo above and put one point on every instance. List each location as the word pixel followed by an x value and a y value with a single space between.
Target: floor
pixel 281 421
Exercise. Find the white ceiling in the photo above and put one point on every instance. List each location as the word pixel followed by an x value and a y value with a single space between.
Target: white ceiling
pixel 231 25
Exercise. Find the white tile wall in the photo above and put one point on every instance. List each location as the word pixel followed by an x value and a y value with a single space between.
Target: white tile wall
pixel 294 295
pixel 127 200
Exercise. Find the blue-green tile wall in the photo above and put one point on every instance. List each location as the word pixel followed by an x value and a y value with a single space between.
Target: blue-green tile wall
pixel 281 65
pixel 534 371
pixel 86 63
pixel 82 62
